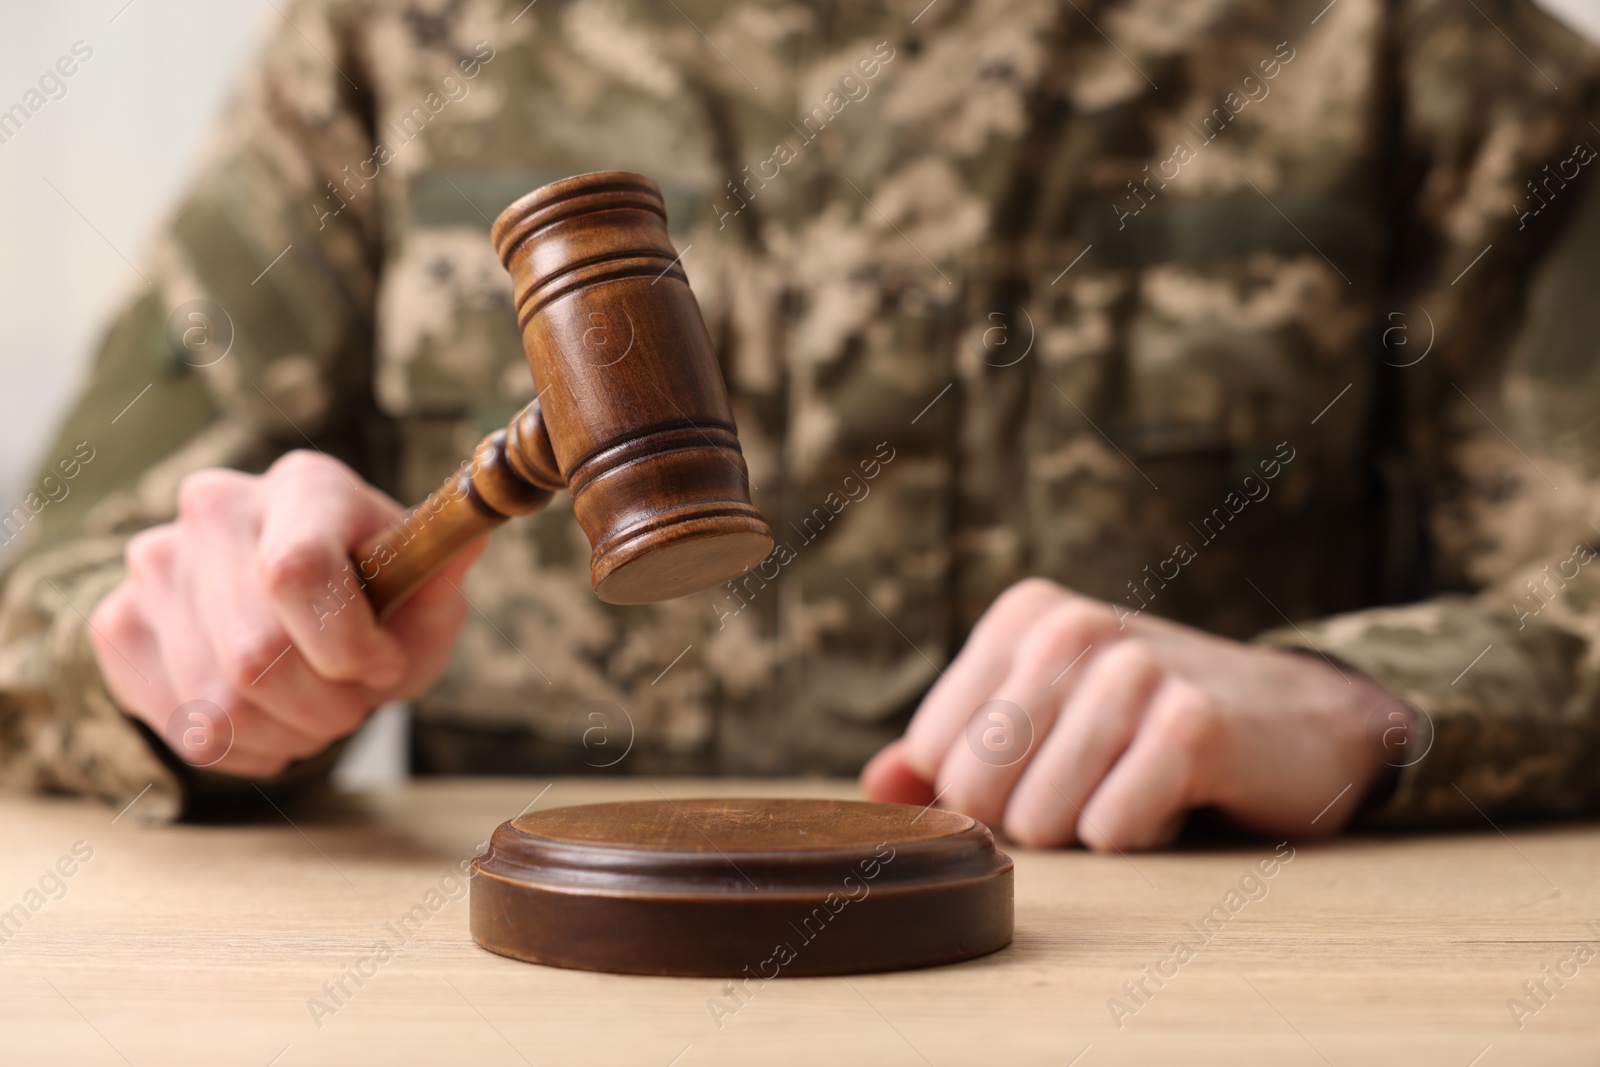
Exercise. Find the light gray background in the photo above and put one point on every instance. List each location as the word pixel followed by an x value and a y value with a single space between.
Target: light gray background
pixel 120 146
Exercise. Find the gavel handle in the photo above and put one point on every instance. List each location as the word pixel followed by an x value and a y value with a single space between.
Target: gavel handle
pixel 512 472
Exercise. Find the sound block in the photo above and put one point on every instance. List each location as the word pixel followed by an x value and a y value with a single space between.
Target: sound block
pixel 742 888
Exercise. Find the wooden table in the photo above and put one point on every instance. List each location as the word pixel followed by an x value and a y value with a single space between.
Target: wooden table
pixel 215 945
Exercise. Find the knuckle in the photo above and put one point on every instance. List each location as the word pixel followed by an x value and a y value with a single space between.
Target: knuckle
pixel 304 465
pixel 297 566
pixel 1187 719
pixel 245 658
pixel 1063 634
pixel 1133 656
pixel 208 495
pixel 233 704
pixel 1028 597
pixel 114 616
pixel 150 553
pixel 295 463
pixel 1035 589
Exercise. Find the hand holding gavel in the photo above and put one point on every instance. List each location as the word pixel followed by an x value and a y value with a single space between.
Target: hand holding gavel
pixel 222 605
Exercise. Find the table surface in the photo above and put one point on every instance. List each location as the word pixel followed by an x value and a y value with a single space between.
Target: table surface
pixel 213 944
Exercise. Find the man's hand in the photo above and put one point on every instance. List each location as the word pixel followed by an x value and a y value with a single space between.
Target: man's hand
pixel 1060 725
pixel 248 602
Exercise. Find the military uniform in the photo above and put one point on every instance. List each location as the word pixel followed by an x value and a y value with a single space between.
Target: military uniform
pixel 1224 311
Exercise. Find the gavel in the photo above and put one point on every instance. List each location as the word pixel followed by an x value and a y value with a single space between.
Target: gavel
pixel 631 414
pixel 632 418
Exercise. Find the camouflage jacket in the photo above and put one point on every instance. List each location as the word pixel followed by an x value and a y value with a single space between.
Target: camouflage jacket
pixel 1000 288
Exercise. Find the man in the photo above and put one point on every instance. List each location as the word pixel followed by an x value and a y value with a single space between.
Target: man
pixel 1087 341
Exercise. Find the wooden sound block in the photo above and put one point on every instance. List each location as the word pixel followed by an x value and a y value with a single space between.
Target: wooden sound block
pixel 742 888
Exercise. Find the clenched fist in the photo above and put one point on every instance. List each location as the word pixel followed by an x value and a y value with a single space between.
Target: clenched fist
pixel 1061 723
pixel 248 603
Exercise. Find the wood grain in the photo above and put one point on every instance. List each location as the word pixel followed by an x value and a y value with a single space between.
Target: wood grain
pixel 205 944
pixel 512 472
pixel 632 392
pixel 752 889
pixel 634 419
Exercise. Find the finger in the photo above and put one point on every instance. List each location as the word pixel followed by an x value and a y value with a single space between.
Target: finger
pixel 136 677
pixel 221 526
pixel 1004 732
pixel 237 739
pixel 889 779
pixel 978 670
pixel 425 627
pixel 129 659
pixel 1142 802
pixel 316 512
pixel 251 650
pixel 1095 727
pixel 179 642
pixel 185 654
pixel 306 704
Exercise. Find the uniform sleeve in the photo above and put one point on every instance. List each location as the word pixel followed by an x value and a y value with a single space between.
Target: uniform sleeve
pixel 250 337
pixel 1496 243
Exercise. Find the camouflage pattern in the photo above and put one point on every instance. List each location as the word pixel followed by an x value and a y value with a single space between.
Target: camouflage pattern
pixel 1001 288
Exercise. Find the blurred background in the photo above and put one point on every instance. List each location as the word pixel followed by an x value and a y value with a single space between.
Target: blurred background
pixel 87 181
pixel 119 146
pixel 118 149
pixel 84 186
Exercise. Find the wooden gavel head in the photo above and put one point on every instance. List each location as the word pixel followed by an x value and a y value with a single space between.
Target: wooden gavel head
pixel 629 387
pixel 631 414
